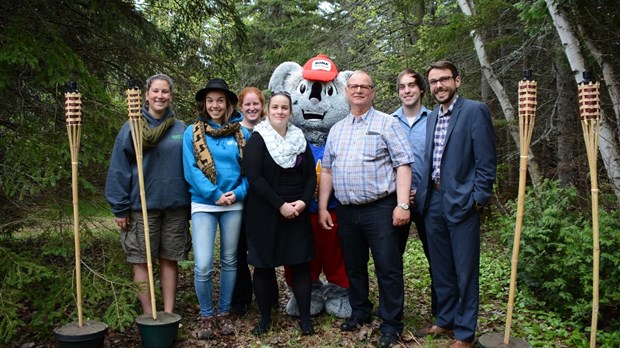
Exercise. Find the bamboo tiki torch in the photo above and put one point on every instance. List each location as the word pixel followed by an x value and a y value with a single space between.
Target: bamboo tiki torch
pixel 134 105
pixel 527 115
pixel 73 119
pixel 589 113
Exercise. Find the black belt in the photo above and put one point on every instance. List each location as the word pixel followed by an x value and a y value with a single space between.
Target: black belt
pixel 390 197
pixel 436 186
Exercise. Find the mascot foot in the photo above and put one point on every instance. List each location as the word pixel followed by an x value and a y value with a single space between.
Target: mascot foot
pixel 336 300
pixel 317 303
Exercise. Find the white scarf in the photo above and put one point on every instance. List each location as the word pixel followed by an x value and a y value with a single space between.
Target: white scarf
pixel 284 151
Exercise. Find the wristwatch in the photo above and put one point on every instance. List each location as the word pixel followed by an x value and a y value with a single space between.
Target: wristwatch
pixel 403 206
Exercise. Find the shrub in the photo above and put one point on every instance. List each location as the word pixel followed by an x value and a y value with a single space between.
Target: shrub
pixel 555 260
pixel 37 287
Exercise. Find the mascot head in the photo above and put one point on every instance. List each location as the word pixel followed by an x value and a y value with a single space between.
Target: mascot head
pixel 317 90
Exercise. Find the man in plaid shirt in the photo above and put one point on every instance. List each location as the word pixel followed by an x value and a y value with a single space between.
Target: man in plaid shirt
pixel 367 162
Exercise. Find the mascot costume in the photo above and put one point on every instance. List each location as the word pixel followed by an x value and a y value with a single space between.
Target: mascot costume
pixel 319 101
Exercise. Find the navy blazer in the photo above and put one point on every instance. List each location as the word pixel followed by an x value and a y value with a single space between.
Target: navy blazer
pixel 468 162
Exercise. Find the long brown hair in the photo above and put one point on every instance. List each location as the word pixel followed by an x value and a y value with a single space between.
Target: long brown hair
pixel 201 107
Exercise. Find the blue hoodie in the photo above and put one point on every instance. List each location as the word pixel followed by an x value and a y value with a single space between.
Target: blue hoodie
pixel 225 153
pixel 165 187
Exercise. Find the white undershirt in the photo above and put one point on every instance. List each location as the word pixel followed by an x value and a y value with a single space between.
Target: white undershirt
pixel 410 120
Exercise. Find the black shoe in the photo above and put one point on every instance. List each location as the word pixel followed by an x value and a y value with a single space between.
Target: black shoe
pixel 388 339
pixel 239 309
pixel 261 329
pixel 306 329
pixel 353 323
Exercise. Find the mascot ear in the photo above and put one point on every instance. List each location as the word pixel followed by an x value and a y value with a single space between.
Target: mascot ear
pixel 343 76
pixel 282 75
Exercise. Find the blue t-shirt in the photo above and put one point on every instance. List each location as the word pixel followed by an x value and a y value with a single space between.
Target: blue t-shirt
pixel 317 151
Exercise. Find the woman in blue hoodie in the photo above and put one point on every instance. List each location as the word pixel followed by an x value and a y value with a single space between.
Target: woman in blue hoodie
pixel 167 195
pixel 212 160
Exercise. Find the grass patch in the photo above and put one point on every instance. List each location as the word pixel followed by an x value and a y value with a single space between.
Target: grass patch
pixel 37 293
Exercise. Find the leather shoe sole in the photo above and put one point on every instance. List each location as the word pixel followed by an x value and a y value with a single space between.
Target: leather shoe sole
pixel 352 324
pixel 433 331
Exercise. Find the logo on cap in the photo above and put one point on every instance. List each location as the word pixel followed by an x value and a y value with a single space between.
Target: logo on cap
pixel 320 68
pixel 321 65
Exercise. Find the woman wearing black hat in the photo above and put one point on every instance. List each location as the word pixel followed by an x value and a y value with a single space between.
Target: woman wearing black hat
pixel 212 160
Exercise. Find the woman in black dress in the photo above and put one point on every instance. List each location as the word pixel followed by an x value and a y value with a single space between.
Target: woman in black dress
pixel 280 169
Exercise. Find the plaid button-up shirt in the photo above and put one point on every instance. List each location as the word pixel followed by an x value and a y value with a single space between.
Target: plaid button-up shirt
pixel 441 130
pixel 363 153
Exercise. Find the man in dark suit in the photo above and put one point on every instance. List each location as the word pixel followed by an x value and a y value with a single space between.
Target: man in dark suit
pixel 457 181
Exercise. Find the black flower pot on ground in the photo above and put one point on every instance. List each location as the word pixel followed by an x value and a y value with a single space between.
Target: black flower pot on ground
pixel 160 332
pixel 496 340
pixel 90 335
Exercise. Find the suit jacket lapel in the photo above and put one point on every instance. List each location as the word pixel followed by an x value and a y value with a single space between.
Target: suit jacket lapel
pixel 453 118
pixel 431 124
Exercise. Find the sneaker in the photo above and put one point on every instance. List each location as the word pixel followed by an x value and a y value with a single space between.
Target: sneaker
pixel 226 325
pixel 207 328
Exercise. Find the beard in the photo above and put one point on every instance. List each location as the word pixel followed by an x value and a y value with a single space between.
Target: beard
pixel 449 97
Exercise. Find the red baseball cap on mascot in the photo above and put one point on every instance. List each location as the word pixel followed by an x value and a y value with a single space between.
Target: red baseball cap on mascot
pixel 320 68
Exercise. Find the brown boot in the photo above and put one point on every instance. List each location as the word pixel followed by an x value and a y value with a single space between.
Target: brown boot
pixel 207 328
pixel 226 325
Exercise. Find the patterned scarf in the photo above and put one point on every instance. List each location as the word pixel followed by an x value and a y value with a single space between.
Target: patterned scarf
pixel 151 136
pixel 203 156
pixel 284 151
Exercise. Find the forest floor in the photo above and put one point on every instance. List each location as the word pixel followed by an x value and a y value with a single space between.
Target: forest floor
pixel 285 332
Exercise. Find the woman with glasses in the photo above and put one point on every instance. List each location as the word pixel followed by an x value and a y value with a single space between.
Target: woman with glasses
pixel 212 160
pixel 280 169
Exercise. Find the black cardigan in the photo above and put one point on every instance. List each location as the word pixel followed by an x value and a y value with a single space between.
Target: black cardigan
pixel 261 211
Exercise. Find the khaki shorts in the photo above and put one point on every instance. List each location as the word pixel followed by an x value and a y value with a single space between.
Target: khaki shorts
pixel 168 231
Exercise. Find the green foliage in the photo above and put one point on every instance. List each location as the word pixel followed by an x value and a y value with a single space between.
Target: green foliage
pixel 46 44
pixel 556 252
pixel 535 14
pixel 38 290
pixel 279 31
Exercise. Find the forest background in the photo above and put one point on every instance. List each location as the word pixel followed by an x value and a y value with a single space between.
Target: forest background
pixel 102 44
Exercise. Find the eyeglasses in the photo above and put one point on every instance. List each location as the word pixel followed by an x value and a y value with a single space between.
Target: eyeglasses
pixel 364 88
pixel 441 80
pixel 284 93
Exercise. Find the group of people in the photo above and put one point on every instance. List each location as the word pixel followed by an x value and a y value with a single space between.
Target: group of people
pixel 252 177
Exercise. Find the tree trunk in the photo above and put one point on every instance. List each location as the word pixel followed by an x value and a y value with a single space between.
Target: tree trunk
pixel 500 93
pixel 608 145
pixel 609 75
pixel 566 113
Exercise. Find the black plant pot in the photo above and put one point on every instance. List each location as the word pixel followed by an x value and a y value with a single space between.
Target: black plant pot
pixel 496 340
pixel 90 335
pixel 159 333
